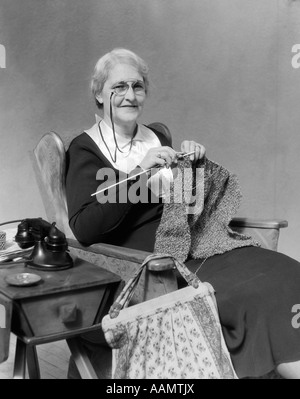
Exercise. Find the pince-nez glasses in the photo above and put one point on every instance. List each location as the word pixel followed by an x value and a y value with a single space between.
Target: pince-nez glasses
pixel 121 88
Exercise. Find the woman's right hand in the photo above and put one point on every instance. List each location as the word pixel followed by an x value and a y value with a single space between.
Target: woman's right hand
pixel 159 156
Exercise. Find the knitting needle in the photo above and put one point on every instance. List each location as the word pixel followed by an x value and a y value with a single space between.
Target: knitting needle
pixel 179 155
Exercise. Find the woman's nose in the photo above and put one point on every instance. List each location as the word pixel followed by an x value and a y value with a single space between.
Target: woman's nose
pixel 130 94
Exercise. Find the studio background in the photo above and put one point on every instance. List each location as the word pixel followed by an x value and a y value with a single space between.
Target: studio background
pixel 221 74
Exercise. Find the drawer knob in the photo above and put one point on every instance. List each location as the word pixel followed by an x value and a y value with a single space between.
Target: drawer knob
pixel 68 313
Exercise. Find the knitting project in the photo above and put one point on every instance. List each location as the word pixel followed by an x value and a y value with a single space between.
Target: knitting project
pixel 196 216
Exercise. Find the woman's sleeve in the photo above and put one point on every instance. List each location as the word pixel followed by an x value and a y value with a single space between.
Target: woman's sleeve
pixel 88 219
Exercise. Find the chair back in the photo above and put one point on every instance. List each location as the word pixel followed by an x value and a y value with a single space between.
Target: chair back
pixel 160 127
pixel 50 168
pixel 49 161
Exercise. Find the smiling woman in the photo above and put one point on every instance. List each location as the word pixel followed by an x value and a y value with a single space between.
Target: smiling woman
pixel 119 143
pixel 123 96
pixel 120 87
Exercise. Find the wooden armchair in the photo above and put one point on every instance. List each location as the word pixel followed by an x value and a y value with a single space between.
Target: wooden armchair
pixel 49 166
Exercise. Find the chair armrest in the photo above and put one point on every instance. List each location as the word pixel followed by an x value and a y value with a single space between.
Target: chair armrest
pixel 128 254
pixel 112 251
pixel 258 223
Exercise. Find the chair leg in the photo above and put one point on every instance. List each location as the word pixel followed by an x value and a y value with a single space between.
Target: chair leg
pixel 81 359
pixel 20 360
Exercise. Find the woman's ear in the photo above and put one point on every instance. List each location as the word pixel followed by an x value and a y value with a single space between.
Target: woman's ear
pixel 99 99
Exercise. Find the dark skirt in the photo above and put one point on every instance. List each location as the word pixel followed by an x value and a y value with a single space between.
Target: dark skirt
pixel 255 290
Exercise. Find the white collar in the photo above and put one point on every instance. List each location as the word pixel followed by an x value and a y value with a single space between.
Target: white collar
pixel 143 134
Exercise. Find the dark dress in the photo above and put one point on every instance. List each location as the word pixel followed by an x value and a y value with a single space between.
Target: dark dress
pixel 255 288
pixel 124 224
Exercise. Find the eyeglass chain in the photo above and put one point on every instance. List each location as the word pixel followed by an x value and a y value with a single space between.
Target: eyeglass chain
pixel 115 139
pixel 114 159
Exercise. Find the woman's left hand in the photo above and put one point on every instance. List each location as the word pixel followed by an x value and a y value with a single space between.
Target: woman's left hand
pixel 191 146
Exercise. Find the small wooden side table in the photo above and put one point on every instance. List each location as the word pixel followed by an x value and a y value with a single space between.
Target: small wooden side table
pixel 63 305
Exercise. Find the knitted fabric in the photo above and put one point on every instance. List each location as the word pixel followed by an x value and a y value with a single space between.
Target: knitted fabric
pixel 195 221
pixel 173 233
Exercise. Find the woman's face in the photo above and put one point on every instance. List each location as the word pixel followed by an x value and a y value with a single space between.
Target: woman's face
pixel 127 106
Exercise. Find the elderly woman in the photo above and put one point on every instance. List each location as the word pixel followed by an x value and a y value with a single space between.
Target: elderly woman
pixel 255 288
pixel 120 86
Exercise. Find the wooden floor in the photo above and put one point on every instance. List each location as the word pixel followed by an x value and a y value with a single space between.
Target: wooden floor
pixel 53 360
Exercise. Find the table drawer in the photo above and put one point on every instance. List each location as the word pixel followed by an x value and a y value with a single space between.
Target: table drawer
pixel 56 313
